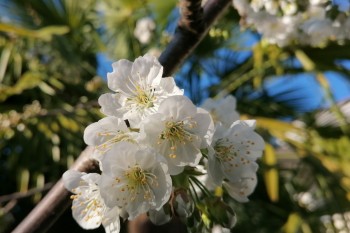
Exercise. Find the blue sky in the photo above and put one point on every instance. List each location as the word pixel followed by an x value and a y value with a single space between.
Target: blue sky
pixel 307 94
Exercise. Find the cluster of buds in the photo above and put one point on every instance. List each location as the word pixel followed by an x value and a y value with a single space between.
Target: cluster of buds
pixel 160 154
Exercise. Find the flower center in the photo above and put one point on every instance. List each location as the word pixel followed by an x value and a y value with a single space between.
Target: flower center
pixel 175 132
pixel 136 176
pixel 91 200
pixel 138 181
pixel 224 150
pixel 226 153
pixel 143 98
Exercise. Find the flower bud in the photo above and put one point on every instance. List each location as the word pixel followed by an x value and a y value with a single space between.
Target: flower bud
pixel 161 216
pixel 183 205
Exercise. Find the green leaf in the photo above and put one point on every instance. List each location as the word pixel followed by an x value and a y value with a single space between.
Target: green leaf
pixel 162 9
pixel 28 81
pixel 44 33
pixel 271 173
pixel 293 223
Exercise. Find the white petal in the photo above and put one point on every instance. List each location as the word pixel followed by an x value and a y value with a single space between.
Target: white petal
pixel 92 134
pixel 168 85
pixel 206 127
pixel 178 107
pixel 222 110
pixel 214 167
pixel 148 68
pixel 87 220
pixel 120 74
pixel 241 189
pixel 110 104
pixel 111 221
pixel 71 179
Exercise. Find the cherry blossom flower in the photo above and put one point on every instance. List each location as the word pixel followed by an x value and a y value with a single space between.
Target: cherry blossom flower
pixel 178 131
pixel 139 88
pixel 88 208
pixel 135 179
pixel 233 154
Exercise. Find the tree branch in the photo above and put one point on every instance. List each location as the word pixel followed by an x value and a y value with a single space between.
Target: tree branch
pixel 193 26
pixel 51 207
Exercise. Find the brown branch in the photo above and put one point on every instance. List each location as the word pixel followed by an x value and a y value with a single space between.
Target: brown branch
pixel 192 28
pixel 51 207
pixel 191 16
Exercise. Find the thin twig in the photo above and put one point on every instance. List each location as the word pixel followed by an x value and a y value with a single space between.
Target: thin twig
pixel 20 195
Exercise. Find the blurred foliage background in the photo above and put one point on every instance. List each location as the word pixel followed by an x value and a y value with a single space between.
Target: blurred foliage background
pixel 49 86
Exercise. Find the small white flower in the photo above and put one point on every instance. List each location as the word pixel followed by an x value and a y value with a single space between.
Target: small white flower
pixel 234 152
pixel 134 179
pixel 88 208
pixel 107 132
pixel 222 110
pixel 276 30
pixel 178 131
pixel 139 88
pixel 318 31
pixel 143 30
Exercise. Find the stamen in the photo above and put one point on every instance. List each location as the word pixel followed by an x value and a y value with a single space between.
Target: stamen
pixel 177 133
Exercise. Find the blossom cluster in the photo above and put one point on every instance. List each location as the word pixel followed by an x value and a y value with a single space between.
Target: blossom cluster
pixel 285 22
pixel 150 136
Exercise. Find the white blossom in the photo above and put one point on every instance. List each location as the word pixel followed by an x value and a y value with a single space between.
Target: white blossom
pixel 135 179
pixel 318 31
pixel 107 132
pixel 88 208
pixel 233 154
pixel 222 110
pixel 139 88
pixel 144 29
pixel 285 22
pixel 276 30
pixel 178 131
